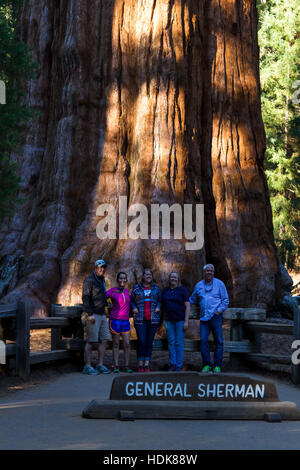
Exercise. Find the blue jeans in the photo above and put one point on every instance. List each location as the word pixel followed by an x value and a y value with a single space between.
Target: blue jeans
pixel 145 335
pixel 215 325
pixel 175 333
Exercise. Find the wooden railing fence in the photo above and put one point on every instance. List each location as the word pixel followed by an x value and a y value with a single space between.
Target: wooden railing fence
pixel 247 324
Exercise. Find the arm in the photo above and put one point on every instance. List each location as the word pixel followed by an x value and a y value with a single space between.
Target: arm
pixel 132 301
pixel 109 299
pixel 224 300
pixel 187 315
pixel 162 309
pixel 194 296
pixel 86 297
pixel 158 307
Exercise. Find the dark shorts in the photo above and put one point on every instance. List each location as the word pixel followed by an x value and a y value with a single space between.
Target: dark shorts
pixel 119 326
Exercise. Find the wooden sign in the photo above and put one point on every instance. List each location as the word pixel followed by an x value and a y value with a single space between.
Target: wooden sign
pixel 192 386
pixel 191 395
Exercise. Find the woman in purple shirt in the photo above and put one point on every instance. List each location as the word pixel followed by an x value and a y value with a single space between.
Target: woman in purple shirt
pixel 119 320
pixel 176 310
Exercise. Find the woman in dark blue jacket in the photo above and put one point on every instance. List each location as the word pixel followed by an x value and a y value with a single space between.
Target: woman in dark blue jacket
pixel 146 305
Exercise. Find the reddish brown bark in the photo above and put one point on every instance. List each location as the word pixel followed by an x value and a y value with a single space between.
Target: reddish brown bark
pixel 157 100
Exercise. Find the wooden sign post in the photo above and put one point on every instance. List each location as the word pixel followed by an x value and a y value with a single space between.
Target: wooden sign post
pixel 192 395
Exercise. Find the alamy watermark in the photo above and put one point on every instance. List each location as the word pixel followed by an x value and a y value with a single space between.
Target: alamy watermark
pixel 296 353
pixel 2 92
pixel 2 352
pixel 152 224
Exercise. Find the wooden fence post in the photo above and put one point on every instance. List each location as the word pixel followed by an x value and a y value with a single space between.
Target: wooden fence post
pixel 55 332
pixel 236 334
pixel 23 340
pixel 255 338
pixel 296 367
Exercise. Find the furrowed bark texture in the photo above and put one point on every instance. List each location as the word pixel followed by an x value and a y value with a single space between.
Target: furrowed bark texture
pixel 155 100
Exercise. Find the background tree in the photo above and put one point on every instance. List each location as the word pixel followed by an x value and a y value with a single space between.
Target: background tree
pixel 279 39
pixel 16 65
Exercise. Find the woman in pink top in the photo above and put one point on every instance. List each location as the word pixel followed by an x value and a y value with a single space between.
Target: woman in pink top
pixel 119 320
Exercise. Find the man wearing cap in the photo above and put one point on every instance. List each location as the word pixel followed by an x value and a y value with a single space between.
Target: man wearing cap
pixel 96 326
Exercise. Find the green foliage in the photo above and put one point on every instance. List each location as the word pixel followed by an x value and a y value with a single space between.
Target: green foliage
pixel 279 39
pixel 16 66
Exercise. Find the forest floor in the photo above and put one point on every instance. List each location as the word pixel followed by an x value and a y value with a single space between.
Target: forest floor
pixel 296 282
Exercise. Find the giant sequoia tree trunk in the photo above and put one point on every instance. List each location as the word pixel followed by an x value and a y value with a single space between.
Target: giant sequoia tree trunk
pixel 158 100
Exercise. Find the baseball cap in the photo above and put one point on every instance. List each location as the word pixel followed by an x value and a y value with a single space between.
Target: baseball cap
pixel 100 262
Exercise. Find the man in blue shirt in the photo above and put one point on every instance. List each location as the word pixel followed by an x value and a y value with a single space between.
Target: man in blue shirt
pixel 211 296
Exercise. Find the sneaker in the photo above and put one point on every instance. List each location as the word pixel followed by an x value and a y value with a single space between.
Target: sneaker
pixel 128 370
pixel 172 367
pixel 206 369
pixel 89 370
pixel 178 369
pixel 116 370
pixel 147 369
pixel 141 369
pixel 103 370
pixel 217 370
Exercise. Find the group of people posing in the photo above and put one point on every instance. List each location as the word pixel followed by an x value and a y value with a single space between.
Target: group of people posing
pixel 150 309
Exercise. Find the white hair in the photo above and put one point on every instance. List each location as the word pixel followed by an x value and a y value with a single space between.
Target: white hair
pixel 208 266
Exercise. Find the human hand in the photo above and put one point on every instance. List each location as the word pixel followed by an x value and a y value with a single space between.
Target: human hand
pixel 92 319
pixel 185 325
pixel 157 310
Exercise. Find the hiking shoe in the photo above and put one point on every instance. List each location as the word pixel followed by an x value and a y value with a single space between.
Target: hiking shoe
pixel 141 369
pixel 89 370
pixel 128 370
pixel 172 367
pixel 206 369
pixel 103 370
pixel 217 370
